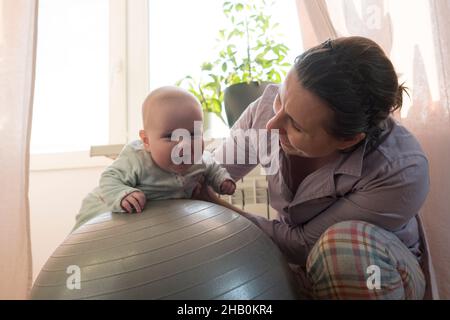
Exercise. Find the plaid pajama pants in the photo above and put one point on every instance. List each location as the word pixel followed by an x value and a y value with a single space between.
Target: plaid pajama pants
pixel 358 260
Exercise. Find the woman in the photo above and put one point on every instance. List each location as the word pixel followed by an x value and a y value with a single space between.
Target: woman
pixel 351 181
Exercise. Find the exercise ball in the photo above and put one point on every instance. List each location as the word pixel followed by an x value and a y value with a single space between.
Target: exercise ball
pixel 174 249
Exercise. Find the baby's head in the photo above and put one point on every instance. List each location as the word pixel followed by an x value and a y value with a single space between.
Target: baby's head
pixel 163 111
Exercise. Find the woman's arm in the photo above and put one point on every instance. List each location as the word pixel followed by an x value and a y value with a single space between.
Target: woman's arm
pixel 389 203
pixel 206 193
pixel 227 153
pixel 241 147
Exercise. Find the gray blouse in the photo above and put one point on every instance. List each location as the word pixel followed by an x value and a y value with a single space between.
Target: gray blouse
pixel 386 187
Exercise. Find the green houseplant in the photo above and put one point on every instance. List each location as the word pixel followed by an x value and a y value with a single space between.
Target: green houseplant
pixel 250 53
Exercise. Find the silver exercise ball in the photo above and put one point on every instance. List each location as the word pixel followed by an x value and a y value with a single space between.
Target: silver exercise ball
pixel 175 249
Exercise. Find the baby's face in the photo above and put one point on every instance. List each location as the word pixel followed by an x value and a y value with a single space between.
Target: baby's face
pixel 163 122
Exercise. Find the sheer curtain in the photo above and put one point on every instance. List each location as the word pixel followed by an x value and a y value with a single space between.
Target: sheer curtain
pixel 415 36
pixel 17 60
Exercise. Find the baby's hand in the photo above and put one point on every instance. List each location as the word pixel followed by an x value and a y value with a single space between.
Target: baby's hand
pixel 133 201
pixel 227 187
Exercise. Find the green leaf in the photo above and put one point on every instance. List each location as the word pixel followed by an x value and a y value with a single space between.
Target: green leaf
pixel 221 34
pixel 248 36
pixel 206 66
pixel 217 105
pixel 277 77
pixel 210 85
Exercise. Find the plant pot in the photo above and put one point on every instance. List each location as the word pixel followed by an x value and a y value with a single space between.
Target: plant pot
pixel 238 96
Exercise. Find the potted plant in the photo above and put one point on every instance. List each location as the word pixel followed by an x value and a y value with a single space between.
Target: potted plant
pixel 250 55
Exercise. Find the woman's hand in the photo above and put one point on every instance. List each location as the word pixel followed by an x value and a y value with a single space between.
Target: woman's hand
pixel 204 192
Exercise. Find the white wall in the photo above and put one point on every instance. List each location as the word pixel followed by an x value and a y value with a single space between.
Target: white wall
pixel 55 198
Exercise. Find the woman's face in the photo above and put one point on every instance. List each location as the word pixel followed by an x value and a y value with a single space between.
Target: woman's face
pixel 301 117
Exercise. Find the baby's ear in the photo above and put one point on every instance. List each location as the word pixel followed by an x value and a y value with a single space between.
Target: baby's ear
pixel 144 137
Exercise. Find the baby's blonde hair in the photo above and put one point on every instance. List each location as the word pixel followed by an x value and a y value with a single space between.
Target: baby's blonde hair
pixel 164 95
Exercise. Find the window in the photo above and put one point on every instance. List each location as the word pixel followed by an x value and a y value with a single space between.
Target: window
pixel 71 103
pixel 91 58
pixel 98 59
pixel 182 36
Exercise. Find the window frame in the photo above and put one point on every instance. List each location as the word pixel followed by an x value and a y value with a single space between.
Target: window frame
pixel 128 85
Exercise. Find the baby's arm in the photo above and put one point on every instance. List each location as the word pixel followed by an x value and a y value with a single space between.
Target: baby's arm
pixel 216 176
pixel 118 182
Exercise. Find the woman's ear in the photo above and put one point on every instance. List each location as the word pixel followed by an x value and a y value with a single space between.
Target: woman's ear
pixel 350 142
pixel 144 138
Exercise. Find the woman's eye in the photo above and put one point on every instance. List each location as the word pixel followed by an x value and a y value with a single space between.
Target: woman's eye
pixel 295 126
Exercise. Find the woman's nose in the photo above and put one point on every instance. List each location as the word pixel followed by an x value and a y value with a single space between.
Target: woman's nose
pixel 277 122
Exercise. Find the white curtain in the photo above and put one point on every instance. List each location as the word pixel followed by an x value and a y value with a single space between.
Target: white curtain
pixel 315 23
pixel 415 34
pixel 18 20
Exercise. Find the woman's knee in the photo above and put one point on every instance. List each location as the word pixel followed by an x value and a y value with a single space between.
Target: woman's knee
pixel 358 260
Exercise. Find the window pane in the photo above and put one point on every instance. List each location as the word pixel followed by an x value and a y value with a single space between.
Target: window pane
pixel 183 36
pixel 71 101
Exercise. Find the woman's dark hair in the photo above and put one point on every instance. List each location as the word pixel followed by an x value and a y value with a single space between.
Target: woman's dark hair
pixel 358 82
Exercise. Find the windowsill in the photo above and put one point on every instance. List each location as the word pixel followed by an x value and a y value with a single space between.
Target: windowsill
pixel 98 156
pixel 66 161
pixel 111 151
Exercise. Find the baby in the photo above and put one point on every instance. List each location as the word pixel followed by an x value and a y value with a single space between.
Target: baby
pixel 160 165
